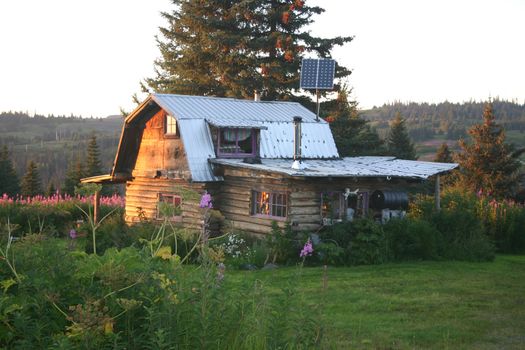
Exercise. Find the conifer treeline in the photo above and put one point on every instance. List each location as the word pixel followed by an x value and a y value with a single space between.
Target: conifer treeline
pixel 452 120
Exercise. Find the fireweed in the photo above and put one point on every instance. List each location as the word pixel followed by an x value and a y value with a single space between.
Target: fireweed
pixel 130 299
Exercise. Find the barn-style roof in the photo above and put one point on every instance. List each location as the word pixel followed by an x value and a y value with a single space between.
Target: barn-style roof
pixel 194 114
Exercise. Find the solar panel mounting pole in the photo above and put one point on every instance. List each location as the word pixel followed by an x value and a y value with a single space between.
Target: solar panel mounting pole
pixel 318 104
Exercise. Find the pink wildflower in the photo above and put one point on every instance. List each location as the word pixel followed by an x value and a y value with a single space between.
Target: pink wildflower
pixel 307 249
pixel 206 201
pixel 73 233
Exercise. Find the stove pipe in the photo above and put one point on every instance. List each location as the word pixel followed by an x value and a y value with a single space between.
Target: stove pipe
pixel 297 157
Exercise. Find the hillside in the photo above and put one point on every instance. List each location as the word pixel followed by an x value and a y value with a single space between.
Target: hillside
pixel 430 125
pixel 53 141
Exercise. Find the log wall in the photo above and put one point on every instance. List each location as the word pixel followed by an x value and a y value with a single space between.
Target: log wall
pixel 142 197
pixel 162 167
pixel 159 152
pixel 304 197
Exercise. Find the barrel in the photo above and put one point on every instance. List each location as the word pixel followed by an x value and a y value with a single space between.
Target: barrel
pixel 389 200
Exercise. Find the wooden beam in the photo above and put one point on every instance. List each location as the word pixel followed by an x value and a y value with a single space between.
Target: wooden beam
pixel 437 194
pixel 96 207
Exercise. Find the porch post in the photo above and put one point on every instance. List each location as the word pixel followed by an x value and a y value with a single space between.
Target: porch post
pixel 437 194
pixel 96 207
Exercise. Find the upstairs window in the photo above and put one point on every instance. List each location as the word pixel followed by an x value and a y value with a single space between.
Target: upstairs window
pixel 235 142
pixel 169 206
pixel 170 128
pixel 272 204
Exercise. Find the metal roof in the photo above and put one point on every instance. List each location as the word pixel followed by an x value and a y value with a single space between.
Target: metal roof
pixel 196 138
pixel 242 111
pixel 316 141
pixel 274 119
pixel 349 167
pixel 239 124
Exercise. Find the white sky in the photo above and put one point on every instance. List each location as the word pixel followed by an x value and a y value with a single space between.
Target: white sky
pixel 88 57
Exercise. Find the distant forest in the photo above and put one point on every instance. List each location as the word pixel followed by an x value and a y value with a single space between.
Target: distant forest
pixel 55 141
pixel 446 120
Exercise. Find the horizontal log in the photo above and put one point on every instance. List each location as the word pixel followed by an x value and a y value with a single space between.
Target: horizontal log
pixel 251 227
pixel 304 210
pixel 305 218
pixel 304 195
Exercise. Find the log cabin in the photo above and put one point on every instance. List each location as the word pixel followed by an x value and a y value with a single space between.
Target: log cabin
pixel 261 161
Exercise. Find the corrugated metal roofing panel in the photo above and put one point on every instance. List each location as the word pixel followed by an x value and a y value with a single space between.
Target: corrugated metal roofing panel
pixel 240 124
pixel 202 107
pixel 196 138
pixel 278 141
pixel 350 167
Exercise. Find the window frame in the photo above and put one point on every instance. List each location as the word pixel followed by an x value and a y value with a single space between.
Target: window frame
pixel 331 219
pixel 174 198
pixel 273 205
pixel 167 124
pixel 254 137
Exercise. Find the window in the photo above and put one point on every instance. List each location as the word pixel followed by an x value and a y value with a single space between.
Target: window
pixel 357 205
pixel 332 207
pixel 270 204
pixel 235 142
pixel 169 206
pixel 171 126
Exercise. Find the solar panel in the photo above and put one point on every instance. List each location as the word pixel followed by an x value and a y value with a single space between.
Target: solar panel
pixel 317 73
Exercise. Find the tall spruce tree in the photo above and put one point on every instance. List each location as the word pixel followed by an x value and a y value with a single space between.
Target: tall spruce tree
pixel 231 48
pixel 93 166
pixel 443 154
pixel 488 163
pixel 353 135
pixel 31 183
pixel 74 173
pixel 398 142
pixel 9 181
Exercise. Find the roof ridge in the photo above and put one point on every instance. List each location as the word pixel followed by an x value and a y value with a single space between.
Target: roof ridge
pixel 223 98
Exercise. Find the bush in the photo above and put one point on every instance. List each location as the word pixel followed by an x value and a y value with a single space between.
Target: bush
pixel 65 298
pixel 361 241
pixel 464 235
pixel 413 239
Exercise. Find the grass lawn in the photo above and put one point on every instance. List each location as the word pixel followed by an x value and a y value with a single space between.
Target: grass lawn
pixel 440 305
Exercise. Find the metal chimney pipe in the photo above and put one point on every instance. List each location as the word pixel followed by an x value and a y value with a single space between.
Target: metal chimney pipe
pixel 256 96
pixel 297 157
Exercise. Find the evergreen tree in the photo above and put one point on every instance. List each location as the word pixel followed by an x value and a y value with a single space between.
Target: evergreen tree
pixel 233 47
pixel 93 158
pixel 398 142
pixel 31 184
pixel 51 190
pixel 353 135
pixel 488 163
pixel 74 173
pixel 9 181
pixel 443 154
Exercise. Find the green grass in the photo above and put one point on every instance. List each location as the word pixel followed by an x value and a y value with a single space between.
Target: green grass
pixel 437 305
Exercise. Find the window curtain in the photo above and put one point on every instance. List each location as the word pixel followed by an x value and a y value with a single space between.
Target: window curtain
pixel 232 135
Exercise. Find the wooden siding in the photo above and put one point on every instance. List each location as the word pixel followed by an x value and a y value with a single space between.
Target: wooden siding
pixel 142 197
pixel 162 167
pixel 159 153
pixel 304 197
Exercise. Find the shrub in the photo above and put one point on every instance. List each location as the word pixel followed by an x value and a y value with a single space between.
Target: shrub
pixel 368 245
pixel 413 239
pixel 458 221
pixel 128 299
pixel 361 241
